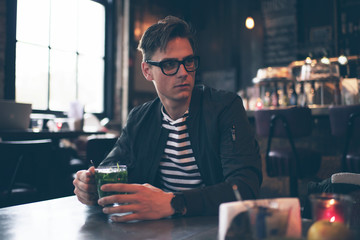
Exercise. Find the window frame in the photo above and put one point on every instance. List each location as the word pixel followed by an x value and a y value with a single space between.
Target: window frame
pixel 109 70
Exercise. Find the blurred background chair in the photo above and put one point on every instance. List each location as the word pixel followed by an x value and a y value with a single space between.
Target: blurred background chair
pixel 345 123
pixel 24 171
pixel 285 159
pixel 98 147
pixel 68 162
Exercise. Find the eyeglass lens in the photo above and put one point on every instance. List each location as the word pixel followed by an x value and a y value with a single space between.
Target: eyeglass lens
pixel 171 67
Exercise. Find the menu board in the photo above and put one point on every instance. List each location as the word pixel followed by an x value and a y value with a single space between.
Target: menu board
pixel 280 33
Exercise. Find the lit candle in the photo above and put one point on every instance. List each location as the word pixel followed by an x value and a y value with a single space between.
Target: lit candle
pixel 330 210
pixel 331 207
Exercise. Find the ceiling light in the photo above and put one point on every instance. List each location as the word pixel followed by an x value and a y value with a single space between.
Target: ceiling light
pixel 342 60
pixel 249 23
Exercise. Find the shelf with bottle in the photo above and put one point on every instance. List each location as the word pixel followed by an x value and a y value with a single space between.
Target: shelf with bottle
pixel 316 82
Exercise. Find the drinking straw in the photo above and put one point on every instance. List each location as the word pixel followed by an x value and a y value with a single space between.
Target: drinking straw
pixel 236 192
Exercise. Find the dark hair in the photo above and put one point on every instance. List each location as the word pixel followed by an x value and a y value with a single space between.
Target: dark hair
pixel 158 35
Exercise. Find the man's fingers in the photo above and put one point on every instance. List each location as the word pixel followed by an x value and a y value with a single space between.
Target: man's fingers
pixel 123 208
pixel 84 186
pixel 84 183
pixel 88 199
pixel 91 170
pixel 85 176
pixel 117 198
pixel 88 194
pixel 122 187
pixel 125 218
pixel 121 198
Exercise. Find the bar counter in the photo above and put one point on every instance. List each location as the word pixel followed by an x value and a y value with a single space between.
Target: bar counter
pixel 316 111
pixel 66 218
pixel 320 139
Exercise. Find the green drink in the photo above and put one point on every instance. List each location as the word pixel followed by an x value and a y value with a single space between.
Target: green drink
pixel 110 174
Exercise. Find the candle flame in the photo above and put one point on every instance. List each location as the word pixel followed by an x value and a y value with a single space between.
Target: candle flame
pixel 330 203
pixel 332 219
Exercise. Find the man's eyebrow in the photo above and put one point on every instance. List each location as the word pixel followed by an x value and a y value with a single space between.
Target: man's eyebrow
pixel 169 59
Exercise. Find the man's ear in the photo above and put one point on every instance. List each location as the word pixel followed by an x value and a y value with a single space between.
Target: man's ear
pixel 146 70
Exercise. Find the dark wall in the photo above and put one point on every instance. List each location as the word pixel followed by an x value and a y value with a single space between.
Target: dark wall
pixel 330 27
pixel 229 50
pixel 2 45
pixel 317 28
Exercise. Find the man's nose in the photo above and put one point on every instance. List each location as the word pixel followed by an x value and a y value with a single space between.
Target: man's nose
pixel 182 69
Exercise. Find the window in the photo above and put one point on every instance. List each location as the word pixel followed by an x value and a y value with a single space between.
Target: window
pixel 60 54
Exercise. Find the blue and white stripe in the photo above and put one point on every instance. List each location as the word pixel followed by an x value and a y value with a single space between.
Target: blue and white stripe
pixel 178 168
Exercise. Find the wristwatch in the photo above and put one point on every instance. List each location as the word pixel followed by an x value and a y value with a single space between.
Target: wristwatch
pixel 178 204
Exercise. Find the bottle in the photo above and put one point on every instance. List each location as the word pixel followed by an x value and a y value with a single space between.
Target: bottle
pixel 267 99
pixel 293 96
pixel 285 97
pixel 302 96
pixel 337 94
pixel 274 97
pixel 312 94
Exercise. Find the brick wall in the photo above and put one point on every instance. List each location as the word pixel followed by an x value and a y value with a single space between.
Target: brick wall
pixel 2 45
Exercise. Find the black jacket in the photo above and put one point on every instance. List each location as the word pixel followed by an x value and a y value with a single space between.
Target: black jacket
pixel 222 141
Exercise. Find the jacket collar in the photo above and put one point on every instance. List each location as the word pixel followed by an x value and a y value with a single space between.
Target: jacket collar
pixel 194 104
pixel 195 101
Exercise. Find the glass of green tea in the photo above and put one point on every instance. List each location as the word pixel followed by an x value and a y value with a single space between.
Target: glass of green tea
pixel 110 174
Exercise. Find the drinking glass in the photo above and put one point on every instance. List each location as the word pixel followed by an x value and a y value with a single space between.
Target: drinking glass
pixel 37 124
pixel 268 221
pixel 110 174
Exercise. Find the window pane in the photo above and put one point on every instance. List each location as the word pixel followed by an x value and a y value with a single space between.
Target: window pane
pixel 33 21
pixel 91 28
pixel 32 75
pixel 62 80
pixel 63 25
pixel 67 28
pixel 91 83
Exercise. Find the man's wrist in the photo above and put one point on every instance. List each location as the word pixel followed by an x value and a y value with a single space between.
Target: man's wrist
pixel 178 204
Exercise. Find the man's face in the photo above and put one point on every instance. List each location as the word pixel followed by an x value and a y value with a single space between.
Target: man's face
pixel 177 88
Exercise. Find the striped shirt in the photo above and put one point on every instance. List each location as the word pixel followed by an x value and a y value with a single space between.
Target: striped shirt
pixel 178 168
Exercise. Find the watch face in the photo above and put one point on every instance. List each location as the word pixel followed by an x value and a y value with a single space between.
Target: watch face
pixel 178 204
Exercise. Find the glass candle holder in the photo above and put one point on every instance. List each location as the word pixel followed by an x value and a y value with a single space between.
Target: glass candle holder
pixel 331 207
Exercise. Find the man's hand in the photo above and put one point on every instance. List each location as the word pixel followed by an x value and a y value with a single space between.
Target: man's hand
pixel 145 202
pixel 85 186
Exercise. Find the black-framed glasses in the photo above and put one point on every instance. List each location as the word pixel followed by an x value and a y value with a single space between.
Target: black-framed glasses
pixel 171 66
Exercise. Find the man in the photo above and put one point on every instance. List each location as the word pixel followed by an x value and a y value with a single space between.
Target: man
pixel 185 150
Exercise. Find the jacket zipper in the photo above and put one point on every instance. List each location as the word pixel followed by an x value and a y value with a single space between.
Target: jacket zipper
pixel 233 135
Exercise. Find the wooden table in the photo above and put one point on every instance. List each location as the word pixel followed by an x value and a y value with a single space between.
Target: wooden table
pixel 66 218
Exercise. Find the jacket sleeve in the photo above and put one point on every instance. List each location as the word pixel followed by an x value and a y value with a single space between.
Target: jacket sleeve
pixel 240 162
pixel 239 151
pixel 121 152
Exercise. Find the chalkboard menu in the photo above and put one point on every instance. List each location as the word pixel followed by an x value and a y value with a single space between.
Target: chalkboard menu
pixel 280 27
pixel 350 27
